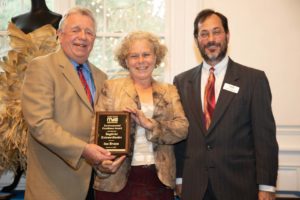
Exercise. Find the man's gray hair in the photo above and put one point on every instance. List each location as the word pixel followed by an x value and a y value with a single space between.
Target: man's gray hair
pixel 77 10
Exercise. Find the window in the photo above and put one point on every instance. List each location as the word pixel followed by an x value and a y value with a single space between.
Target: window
pixel 115 18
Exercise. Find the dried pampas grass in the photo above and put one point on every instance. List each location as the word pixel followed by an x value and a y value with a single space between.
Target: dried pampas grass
pixel 13 128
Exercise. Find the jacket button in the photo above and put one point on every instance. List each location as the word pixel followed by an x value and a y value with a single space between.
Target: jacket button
pixel 209 147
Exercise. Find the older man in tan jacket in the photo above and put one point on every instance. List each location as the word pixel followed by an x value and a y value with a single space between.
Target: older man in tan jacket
pixel 60 115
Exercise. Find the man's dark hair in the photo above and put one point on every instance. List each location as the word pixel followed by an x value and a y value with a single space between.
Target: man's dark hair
pixel 201 17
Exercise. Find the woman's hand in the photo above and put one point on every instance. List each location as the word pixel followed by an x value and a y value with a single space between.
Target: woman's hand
pixel 111 166
pixel 140 118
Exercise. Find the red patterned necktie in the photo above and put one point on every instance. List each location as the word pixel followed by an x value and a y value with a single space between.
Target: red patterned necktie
pixel 209 98
pixel 84 83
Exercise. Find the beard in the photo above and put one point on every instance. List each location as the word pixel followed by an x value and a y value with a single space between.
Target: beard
pixel 211 58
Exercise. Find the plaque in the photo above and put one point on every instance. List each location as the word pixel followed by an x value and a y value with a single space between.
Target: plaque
pixel 113 131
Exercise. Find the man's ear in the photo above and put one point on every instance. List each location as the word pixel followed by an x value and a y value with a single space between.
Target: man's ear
pixel 196 40
pixel 228 36
pixel 58 33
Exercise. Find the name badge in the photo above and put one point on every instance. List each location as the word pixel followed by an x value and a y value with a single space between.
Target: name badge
pixel 231 88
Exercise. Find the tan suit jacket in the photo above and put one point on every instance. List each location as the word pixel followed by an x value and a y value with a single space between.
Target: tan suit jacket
pixel 60 120
pixel 170 127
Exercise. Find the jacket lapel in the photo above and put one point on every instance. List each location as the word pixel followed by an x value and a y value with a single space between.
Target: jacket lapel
pixel 129 89
pixel 194 90
pixel 131 92
pixel 225 97
pixel 97 82
pixel 71 76
pixel 158 96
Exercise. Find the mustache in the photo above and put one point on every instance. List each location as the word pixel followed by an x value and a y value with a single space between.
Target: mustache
pixel 212 43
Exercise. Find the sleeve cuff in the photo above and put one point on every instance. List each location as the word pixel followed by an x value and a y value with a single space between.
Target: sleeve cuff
pixel 100 174
pixel 266 188
pixel 178 181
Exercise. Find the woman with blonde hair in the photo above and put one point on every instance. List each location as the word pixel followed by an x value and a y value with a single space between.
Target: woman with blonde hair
pixel 148 171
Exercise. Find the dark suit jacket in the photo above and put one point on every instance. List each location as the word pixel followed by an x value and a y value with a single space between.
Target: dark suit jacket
pixel 239 151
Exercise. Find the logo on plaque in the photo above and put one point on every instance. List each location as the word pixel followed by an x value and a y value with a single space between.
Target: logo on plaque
pixel 112 119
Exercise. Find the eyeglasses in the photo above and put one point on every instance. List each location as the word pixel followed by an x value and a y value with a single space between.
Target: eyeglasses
pixel 214 33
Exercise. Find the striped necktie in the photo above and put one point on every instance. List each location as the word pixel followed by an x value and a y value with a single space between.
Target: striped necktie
pixel 209 98
pixel 84 83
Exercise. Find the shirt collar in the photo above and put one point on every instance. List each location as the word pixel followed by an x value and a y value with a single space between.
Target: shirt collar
pixel 218 67
pixel 85 65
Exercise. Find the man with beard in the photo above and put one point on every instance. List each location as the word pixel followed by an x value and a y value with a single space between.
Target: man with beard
pixel 231 151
